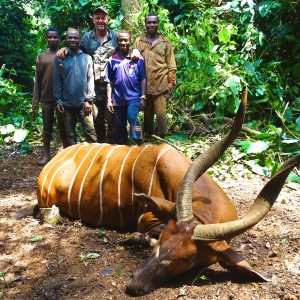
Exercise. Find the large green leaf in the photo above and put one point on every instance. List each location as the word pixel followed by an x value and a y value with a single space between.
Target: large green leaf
pixel 293 177
pixel 264 7
pixel 224 35
pixel 288 115
pixel 256 168
pixel 233 82
pixel 298 124
pixel 258 147
pixel 249 67
pixel 290 145
pixel 199 105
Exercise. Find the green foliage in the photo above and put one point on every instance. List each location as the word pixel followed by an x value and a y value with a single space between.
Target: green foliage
pixel 17 41
pixel 64 14
pixel 36 239
pixel 90 255
pixel 219 50
pixel 3 284
pixel 15 107
pixel 101 233
pixel 294 178
pixel 119 271
pixel 222 49
pixel 262 155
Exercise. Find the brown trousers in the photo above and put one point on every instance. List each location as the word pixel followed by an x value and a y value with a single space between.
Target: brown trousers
pixel 156 104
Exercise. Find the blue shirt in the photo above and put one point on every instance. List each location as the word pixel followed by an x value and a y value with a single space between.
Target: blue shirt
pixel 73 79
pixel 126 76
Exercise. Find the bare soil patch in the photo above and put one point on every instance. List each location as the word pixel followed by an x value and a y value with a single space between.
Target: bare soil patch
pixel 52 268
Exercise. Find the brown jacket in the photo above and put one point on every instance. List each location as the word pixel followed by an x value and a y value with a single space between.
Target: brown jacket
pixel 43 85
pixel 160 64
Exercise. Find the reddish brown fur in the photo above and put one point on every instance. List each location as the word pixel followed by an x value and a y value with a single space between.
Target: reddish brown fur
pixel 158 172
pixel 88 160
pixel 97 183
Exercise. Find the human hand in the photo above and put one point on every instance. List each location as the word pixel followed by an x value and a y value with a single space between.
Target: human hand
pixel 60 108
pixel 110 106
pixel 61 53
pixel 142 104
pixel 35 108
pixel 135 54
pixel 87 107
pixel 168 94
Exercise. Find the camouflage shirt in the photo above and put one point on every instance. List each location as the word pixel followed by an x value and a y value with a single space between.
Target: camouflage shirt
pixel 100 53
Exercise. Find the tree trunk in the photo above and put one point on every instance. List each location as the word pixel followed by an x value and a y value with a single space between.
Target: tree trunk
pixel 131 10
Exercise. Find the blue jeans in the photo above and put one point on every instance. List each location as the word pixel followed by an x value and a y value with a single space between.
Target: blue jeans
pixel 123 114
pixel 70 117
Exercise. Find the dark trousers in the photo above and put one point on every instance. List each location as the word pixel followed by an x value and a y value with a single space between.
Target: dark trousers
pixel 156 104
pixel 48 117
pixel 123 114
pixel 70 116
pixel 48 109
pixel 102 117
pixel 102 121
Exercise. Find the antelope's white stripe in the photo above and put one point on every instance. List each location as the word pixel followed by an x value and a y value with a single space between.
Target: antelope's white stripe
pixel 132 180
pixel 57 170
pixel 119 186
pixel 84 177
pixel 151 182
pixel 154 169
pixel 53 165
pixel 73 179
pixel 101 182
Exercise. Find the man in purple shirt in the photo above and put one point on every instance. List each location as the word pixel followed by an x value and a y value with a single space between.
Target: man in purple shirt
pixel 126 88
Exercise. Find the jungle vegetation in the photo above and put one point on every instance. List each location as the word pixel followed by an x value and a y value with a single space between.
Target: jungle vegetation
pixel 221 47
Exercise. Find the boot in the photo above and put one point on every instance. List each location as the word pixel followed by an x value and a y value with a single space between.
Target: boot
pixel 44 160
pixel 46 142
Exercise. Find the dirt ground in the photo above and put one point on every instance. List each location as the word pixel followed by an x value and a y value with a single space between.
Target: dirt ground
pixel 56 266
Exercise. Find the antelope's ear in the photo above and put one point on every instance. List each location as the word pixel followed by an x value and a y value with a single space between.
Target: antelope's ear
pixel 234 262
pixel 163 209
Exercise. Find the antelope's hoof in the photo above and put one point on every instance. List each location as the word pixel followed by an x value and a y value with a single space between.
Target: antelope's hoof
pixel 138 238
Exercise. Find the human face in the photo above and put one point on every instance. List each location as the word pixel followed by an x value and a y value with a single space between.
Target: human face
pixel 123 43
pixel 151 25
pixel 52 39
pixel 100 20
pixel 73 39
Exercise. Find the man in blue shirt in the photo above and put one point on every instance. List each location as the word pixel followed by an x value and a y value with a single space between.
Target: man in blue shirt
pixel 126 88
pixel 73 89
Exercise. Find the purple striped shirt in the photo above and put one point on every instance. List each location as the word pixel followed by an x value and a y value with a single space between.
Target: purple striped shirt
pixel 126 75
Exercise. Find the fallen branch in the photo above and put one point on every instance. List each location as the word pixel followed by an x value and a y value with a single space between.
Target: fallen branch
pixel 164 141
pixel 245 129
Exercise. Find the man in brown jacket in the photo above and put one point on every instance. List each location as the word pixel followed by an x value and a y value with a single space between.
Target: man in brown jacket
pixel 43 92
pixel 161 74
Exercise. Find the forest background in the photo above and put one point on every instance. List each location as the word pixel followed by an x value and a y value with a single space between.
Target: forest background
pixel 220 46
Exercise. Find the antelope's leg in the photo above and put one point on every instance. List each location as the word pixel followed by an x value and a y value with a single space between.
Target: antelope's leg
pixel 149 228
pixel 137 238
